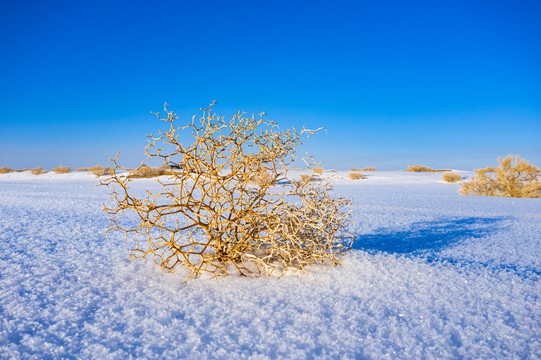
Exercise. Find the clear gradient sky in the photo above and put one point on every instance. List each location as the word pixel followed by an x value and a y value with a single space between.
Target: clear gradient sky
pixel 448 84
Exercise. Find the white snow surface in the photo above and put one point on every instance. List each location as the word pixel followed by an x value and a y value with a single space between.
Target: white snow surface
pixel 432 275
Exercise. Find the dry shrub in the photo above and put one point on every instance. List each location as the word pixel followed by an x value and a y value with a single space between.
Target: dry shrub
pixel 356 176
pixel 514 178
pixel 61 169
pixel 296 169
pixel 318 170
pixel 354 169
pixel 210 219
pixel 262 178
pixel 145 171
pixel 5 170
pixel 91 169
pixel 306 177
pixel 370 168
pixel 419 168
pixel 101 171
pixel 450 177
pixel 37 171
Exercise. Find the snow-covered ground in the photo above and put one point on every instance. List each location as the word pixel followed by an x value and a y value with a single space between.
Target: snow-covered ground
pixel 433 275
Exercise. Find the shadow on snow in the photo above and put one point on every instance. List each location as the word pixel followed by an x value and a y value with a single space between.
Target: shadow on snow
pixel 428 235
pixel 427 238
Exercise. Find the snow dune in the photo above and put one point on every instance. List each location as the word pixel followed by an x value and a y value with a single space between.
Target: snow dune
pixel 433 274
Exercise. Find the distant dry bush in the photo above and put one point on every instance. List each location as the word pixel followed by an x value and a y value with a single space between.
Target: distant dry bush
pixel 5 170
pixel 370 168
pixel 306 178
pixel 419 168
pixel 262 178
pixel 354 169
pixel 91 169
pixel 356 176
pixel 145 171
pixel 514 178
pixel 61 169
pixel 101 171
pixel 296 169
pixel 318 170
pixel 37 171
pixel 450 177
pixel 97 170
pixel 210 218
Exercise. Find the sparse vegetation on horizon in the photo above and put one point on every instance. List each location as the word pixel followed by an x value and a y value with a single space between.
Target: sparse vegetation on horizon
pixel 5 170
pixel 90 169
pixel 210 218
pixel 419 168
pixel 145 171
pixel 513 178
pixel 370 168
pixel 101 171
pixel 61 169
pixel 37 171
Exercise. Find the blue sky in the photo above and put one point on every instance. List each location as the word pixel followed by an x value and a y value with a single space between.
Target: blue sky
pixel 448 84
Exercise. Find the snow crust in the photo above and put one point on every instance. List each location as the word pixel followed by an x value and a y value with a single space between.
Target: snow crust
pixel 433 274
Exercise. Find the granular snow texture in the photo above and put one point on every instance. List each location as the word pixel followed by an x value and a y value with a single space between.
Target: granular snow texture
pixel 433 274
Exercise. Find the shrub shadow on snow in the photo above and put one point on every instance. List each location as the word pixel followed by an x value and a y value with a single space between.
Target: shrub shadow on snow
pixel 428 236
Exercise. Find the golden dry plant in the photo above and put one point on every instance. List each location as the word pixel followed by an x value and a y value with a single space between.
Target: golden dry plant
pixel 37 171
pixel 61 169
pixel 92 168
pixel 419 168
pixel 145 171
pixel 451 177
pixel 218 214
pixel 5 170
pixel 356 176
pixel 513 178
pixel 370 168
pixel 102 171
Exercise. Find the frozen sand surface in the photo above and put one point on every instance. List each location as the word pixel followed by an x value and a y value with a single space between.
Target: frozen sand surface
pixel 433 275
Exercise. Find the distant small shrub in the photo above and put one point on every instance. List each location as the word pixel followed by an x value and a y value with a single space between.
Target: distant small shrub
pixel 5 170
pixel 318 170
pixel 100 171
pixel 306 178
pixel 61 169
pixel 262 178
pixel 354 169
pixel 370 168
pixel 450 177
pixel 297 169
pixel 37 171
pixel 356 176
pixel 92 168
pixel 419 168
pixel 145 171
pixel 514 178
